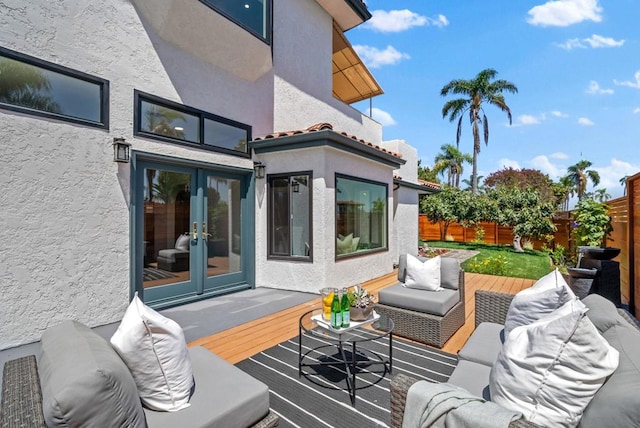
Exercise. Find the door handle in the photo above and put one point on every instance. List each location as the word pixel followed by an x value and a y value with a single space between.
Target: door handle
pixel 205 235
pixel 194 233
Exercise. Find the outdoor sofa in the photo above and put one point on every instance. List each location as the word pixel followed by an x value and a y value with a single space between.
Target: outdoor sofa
pixel 84 379
pixel 429 317
pixel 617 402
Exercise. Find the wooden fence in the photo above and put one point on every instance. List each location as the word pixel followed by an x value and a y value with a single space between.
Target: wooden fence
pixel 625 218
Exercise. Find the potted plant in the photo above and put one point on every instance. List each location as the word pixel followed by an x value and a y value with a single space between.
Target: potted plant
pixel 361 303
pixel 592 226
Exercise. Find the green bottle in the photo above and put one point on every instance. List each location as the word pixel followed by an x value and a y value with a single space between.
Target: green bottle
pixel 336 310
pixel 346 307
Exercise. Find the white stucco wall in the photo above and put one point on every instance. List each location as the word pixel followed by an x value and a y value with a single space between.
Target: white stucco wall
pixel 303 74
pixel 65 220
pixel 325 270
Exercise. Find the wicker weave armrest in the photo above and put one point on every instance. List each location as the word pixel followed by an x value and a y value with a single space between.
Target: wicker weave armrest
pixel 492 306
pixel 400 385
pixel 21 395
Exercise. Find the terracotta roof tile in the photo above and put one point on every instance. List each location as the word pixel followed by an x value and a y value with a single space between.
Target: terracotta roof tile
pixel 322 127
pixel 429 184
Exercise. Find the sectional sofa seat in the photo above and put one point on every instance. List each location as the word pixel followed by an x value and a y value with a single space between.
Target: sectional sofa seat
pixel 430 317
pixel 80 380
pixel 617 402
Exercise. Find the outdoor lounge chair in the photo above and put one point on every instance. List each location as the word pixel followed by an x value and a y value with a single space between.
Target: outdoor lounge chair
pixel 429 317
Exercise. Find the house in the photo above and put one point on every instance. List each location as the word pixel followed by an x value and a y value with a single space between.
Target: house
pixel 247 166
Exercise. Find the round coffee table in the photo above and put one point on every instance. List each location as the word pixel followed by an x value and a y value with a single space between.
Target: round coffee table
pixel 312 326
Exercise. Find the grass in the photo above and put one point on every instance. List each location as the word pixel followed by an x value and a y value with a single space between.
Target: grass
pixel 500 259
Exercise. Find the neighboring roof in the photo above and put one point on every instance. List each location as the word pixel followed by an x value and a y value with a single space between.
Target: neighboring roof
pixel 323 134
pixel 352 81
pixel 429 184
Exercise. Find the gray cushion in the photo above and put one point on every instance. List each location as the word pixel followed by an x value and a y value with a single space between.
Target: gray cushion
pixel 602 312
pixel 170 255
pixel 430 302
pixel 484 345
pixel 617 403
pixel 224 396
pixel 473 377
pixel 84 381
pixel 449 272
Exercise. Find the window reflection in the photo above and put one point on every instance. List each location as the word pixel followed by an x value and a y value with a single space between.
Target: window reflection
pixel 31 83
pixel 165 121
pixel 290 215
pixel 222 135
pixel 252 14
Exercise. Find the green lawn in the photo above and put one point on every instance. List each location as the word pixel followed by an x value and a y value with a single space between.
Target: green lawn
pixel 501 260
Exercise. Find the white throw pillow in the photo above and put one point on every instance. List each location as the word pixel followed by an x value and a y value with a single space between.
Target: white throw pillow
pixel 551 369
pixel 423 275
pixel 545 296
pixel 344 244
pixel 154 349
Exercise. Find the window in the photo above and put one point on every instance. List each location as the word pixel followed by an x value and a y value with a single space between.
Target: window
pixel 361 216
pixel 168 121
pixel 290 215
pixel 254 15
pixel 33 86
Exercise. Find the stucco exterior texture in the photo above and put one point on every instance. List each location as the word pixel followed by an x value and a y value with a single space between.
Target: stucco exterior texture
pixel 64 221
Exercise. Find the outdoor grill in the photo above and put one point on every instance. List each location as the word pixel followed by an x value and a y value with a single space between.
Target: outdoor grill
pixel 597 273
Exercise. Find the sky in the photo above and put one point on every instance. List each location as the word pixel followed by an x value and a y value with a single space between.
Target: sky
pixel 576 64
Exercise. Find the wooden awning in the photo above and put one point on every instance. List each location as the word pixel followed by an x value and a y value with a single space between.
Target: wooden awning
pixel 352 81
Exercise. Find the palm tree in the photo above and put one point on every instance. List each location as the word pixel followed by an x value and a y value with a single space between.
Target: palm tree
pixel 468 181
pixel 601 195
pixel 568 190
pixel 579 175
pixel 25 85
pixel 623 183
pixel 475 92
pixel 451 160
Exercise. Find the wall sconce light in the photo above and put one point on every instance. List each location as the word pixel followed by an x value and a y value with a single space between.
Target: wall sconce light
pixel 258 168
pixel 120 150
pixel 295 186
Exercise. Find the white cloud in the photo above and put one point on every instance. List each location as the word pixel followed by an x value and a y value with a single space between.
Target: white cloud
pixel 546 166
pixel 557 113
pixel 527 119
pixel 630 84
pixel 561 13
pixel 595 41
pixel 381 116
pixel 395 21
pixel 585 121
pixel 559 155
pixel 594 88
pixel 508 163
pixel 611 174
pixel 376 58
pixel 636 110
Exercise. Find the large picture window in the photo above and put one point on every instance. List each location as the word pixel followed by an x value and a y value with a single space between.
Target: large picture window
pixel 33 86
pixel 290 215
pixel 168 121
pixel 361 216
pixel 254 15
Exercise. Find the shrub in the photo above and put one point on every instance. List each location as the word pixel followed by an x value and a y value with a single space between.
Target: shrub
pixel 479 239
pixel 495 265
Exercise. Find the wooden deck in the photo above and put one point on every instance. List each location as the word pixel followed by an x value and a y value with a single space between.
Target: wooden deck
pixel 243 341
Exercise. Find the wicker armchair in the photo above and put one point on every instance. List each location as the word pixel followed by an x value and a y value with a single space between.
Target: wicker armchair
pixel 426 328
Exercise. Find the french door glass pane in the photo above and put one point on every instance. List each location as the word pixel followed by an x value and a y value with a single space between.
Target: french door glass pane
pixel 167 216
pixel 223 225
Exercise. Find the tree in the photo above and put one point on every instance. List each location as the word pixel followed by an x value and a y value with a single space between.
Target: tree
pixel 443 207
pixel 623 183
pixel 564 190
pixel 427 174
pixel 601 195
pixel 451 160
pixel 524 211
pixel 579 175
pixel 468 182
pixel 522 179
pixel 592 223
pixel 476 91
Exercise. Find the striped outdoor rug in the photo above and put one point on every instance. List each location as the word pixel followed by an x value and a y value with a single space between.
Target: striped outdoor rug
pixel 320 399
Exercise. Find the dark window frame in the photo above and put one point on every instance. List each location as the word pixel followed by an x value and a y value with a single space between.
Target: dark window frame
pixel 139 96
pixel 386 218
pixel 268 26
pixel 270 230
pixel 69 72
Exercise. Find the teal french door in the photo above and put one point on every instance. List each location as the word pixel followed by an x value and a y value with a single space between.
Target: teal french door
pixel 191 232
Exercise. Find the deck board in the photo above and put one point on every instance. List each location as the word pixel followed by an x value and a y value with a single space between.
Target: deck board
pixel 243 341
